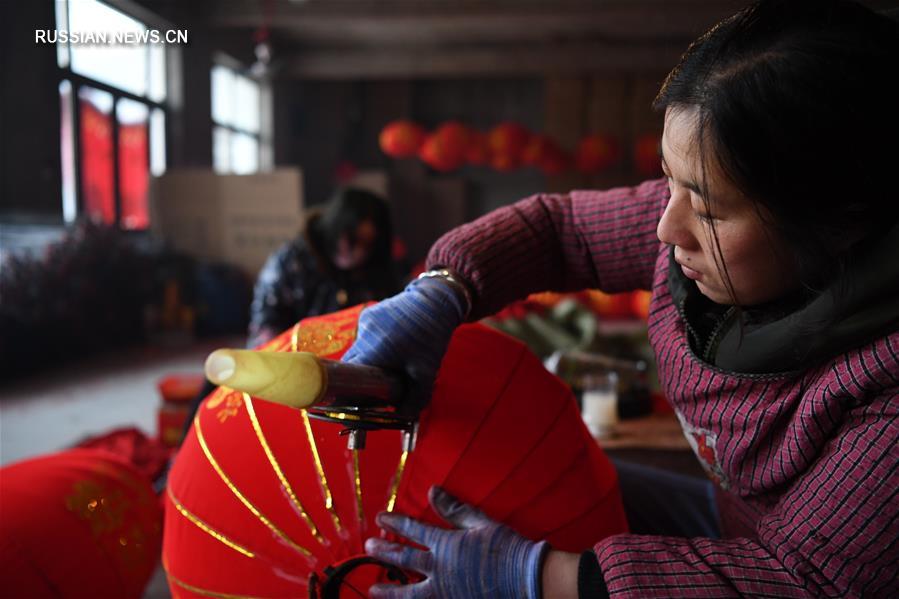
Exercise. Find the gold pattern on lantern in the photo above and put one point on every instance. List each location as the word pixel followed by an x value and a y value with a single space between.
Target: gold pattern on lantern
pixel 103 510
pixel 217 397
pixel 206 528
pixel 233 401
pixel 323 338
pixel 276 467
pixel 357 483
pixel 237 493
pixel 397 477
pixel 326 490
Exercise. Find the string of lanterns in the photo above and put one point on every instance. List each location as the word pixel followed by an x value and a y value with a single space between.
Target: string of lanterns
pixel 509 146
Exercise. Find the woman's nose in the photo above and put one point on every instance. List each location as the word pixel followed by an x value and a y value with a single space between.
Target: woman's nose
pixel 674 226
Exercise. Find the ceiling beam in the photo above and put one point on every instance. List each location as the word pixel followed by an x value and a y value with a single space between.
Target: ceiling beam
pixel 443 22
pixel 502 61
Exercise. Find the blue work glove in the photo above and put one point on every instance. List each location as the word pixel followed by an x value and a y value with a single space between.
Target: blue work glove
pixel 409 333
pixel 482 558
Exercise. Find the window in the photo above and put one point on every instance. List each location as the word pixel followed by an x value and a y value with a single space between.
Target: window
pixel 237 143
pixel 113 114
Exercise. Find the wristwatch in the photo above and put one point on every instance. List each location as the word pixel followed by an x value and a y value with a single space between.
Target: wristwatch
pixel 454 281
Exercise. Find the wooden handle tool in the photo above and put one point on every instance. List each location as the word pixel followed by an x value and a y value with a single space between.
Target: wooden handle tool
pixel 300 379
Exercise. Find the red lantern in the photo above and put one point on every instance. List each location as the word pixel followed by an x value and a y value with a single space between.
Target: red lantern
pixel 506 142
pixel 556 162
pixel 544 153
pixel 265 501
pixel 477 152
pixel 646 155
pixel 537 149
pixel 78 523
pixel 401 139
pixel 596 153
pixel 446 148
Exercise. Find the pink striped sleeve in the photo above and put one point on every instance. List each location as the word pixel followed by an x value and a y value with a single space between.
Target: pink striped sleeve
pixel 833 533
pixel 587 239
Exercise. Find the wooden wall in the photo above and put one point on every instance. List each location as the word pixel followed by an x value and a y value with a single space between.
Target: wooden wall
pixel 320 124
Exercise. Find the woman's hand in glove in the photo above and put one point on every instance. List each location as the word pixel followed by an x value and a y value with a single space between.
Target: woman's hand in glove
pixel 481 558
pixel 409 333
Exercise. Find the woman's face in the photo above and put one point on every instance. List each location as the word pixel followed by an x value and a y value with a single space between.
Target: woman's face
pixel 758 261
pixel 353 250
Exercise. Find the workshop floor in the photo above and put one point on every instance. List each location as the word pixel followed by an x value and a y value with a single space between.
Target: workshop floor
pixel 55 409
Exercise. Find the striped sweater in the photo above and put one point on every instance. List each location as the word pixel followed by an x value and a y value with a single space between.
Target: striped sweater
pixel 807 462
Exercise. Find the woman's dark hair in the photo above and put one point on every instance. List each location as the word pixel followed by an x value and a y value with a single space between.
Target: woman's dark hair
pixel 797 102
pixel 344 212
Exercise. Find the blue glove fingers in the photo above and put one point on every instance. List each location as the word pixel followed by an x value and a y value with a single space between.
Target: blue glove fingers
pixel 424 314
pixel 455 512
pixel 419 590
pixel 415 531
pixel 404 556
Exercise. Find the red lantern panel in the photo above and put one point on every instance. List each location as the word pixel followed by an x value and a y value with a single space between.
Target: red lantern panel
pixel 401 139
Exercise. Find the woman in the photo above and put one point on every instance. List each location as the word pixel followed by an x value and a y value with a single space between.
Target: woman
pixel 771 250
pixel 341 258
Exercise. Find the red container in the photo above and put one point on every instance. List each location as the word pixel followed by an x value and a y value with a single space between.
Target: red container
pixel 177 391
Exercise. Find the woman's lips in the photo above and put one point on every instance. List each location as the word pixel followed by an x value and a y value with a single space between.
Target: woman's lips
pixel 690 273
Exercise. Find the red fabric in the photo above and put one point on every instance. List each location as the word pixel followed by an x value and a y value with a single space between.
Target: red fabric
pixel 80 523
pixel 501 433
pixel 146 455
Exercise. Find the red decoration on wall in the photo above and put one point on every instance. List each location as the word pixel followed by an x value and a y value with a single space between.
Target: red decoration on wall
pixel 401 139
pixel 96 163
pixel 646 155
pixel 506 142
pixel 596 153
pixel 134 175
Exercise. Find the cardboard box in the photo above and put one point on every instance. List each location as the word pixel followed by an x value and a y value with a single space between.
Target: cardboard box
pixel 237 219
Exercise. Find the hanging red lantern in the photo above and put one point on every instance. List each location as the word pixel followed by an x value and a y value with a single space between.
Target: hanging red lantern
pixel 477 152
pixel 537 150
pixel 506 142
pixel 646 155
pixel 401 139
pixel 446 148
pixel 544 153
pixel 596 153
pixel 504 162
pixel 555 162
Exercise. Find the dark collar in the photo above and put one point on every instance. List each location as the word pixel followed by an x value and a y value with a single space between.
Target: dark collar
pixel 792 334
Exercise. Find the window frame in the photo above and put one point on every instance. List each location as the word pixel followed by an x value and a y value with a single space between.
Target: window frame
pixel 77 81
pixel 263 136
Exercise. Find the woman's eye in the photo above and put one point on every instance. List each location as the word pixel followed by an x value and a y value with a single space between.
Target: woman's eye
pixel 703 217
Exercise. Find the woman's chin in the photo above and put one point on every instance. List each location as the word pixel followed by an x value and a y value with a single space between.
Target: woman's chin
pixel 716 295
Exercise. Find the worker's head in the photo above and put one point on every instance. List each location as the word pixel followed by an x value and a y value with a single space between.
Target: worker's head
pixel 779 145
pixel 355 229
